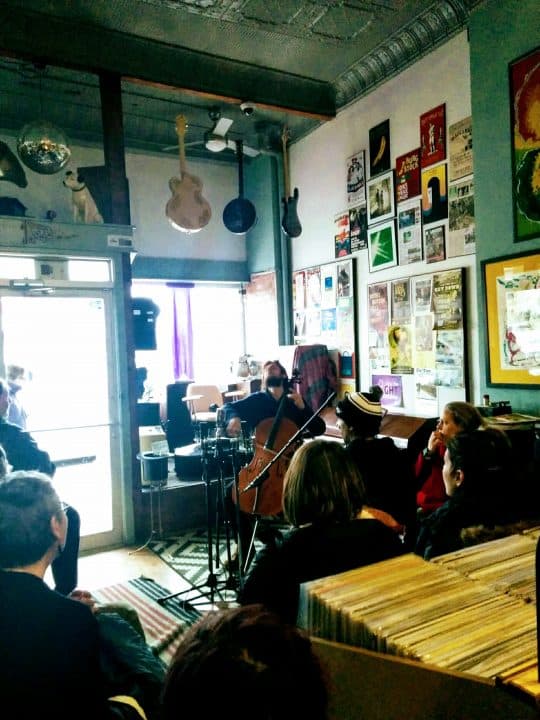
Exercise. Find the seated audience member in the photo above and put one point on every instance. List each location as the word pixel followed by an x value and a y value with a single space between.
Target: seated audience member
pixel 245 663
pixel 55 653
pixel 23 453
pixel 456 417
pixel 385 469
pixel 16 377
pixel 323 495
pixel 476 475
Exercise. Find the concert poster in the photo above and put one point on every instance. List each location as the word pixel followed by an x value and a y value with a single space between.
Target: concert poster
pixel 408 175
pixel 461 225
pixel 434 194
pixel 422 294
pixel 401 301
pixel 433 136
pixel 409 228
pixel 460 149
pixel 379 148
pixel 448 300
pixel 434 246
pixel 392 387
pixel 356 178
pixel 313 288
pixel 299 290
pixel 358 227
pixel 401 349
pixel 342 237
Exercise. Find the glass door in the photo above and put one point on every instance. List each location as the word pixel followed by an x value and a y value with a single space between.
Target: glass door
pixel 62 341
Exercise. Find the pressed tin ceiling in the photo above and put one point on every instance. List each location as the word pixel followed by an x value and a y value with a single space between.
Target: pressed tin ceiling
pixel 298 61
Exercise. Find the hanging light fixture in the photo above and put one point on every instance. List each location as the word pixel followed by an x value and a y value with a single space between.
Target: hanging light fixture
pixel 42 146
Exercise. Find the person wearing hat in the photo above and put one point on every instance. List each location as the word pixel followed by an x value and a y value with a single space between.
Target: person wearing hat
pixel 385 468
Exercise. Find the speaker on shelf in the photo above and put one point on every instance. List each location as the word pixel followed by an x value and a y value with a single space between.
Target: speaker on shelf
pixel 145 313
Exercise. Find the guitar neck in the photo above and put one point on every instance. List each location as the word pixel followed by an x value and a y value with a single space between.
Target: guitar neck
pixel 286 181
pixel 181 126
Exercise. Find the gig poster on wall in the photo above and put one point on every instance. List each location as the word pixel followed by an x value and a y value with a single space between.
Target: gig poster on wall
pixel 299 290
pixel 379 148
pixel 313 288
pixel 408 175
pixel 378 321
pixel 448 299
pixel 328 283
pixel 342 236
pixel 356 179
pixel 392 387
pixel 434 194
pixel 358 227
pixel 401 349
pixel 401 301
pixel 409 228
pixel 433 136
pixel 461 225
pixel 460 149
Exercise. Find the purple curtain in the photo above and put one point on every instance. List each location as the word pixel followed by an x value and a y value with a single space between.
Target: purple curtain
pixel 182 335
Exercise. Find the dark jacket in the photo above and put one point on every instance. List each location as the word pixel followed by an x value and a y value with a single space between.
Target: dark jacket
pixel 261 405
pixel 387 476
pixel 50 652
pixel 313 552
pixel 22 450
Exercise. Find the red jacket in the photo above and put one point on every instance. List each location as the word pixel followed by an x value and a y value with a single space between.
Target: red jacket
pixel 428 471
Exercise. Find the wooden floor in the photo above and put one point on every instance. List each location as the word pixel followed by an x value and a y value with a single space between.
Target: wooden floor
pixel 106 568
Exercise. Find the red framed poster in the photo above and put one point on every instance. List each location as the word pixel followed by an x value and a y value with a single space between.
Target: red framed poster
pixel 433 136
pixel 408 175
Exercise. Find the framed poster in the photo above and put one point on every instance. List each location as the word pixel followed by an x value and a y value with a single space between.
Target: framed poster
pixel 356 178
pixel 461 226
pixel 524 94
pixel 381 200
pixel 408 175
pixel 512 307
pixel 409 228
pixel 379 148
pixel 434 247
pixel 342 237
pixel 433 136
pixel 460 149
pixel 434 194
pixel 382 246
pixel 358 227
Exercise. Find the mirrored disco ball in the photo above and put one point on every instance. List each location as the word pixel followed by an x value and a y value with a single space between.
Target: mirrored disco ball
pixel 43 147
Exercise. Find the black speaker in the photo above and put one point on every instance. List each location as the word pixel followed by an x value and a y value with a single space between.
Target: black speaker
pixel 145 312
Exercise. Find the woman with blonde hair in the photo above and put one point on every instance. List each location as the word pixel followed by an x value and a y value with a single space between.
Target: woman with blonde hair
pixel 323 496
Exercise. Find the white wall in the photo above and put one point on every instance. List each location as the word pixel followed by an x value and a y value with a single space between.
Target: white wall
pixel 148 177
pixel 318 169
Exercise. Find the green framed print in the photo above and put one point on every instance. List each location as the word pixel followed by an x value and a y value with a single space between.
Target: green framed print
pixel 382 250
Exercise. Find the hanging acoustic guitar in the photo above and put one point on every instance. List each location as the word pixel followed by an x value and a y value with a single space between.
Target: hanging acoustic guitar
pixel 239 214
pixel 290 222
pixel 186 210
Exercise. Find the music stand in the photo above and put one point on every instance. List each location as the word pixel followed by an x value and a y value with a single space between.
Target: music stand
pixel 205 593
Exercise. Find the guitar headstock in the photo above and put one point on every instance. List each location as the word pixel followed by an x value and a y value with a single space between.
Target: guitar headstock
pixel 181 126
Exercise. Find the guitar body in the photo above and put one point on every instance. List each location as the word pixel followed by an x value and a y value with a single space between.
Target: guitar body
pixel 290 223
pixel 187 210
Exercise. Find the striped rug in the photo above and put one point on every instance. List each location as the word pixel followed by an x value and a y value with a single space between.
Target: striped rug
pixel 163 625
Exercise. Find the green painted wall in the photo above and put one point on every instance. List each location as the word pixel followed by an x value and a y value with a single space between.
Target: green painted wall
pixel 500 32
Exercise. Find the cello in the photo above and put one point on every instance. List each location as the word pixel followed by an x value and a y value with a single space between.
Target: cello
pixel 273 450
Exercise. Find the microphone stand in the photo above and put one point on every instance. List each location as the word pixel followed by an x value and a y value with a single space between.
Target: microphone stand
pixel 261 477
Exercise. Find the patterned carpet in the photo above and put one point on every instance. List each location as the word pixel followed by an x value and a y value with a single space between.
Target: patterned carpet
pixel 163 625
pixel 187 554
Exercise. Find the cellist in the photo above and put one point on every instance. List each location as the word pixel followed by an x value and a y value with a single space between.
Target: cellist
pixel 260 406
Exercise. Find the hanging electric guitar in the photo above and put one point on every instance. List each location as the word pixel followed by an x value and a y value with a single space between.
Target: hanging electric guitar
pixel 186 210
pixel 290 222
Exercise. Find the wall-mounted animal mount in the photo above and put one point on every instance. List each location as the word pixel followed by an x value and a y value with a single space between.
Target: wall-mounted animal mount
pixel 84 207
pixel 11 169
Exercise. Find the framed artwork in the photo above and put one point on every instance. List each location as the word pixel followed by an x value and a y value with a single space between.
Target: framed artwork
pixel 409 228
pixel 461 225
pixel 408 175
pixel 382 246
pixel 379 148
pixel 381 200
pixel 358 227
pixel 434 247
pixel 342 237
pixel 356 178
pixel 512 308
pixel 434 194
pixel 524 94
pixel 433 136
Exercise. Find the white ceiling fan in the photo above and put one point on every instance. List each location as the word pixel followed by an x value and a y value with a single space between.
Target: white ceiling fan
pixel 216 139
